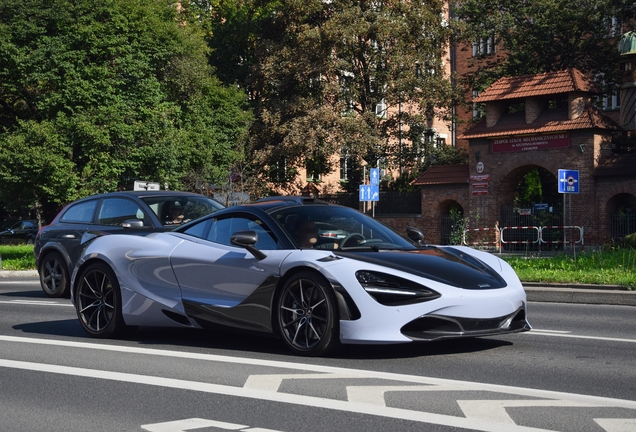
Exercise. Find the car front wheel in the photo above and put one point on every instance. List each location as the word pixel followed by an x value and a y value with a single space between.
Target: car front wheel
pixel 54 275
pixel 307 316
pixel 98 301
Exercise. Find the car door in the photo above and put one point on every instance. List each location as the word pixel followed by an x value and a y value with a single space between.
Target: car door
pixel 213 272
pixel 68 231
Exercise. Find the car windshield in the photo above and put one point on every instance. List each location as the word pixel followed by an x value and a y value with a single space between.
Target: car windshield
pixel 175 210
pixel 341 228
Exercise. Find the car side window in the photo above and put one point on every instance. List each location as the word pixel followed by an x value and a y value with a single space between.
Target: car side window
pixel 222 229
pixel 82 212
pixel 115 211
pixel 198 230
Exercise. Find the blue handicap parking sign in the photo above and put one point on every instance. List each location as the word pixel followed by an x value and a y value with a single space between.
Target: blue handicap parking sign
pixel 568 181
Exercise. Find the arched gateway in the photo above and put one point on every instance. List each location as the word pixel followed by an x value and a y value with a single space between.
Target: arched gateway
pixel 534 126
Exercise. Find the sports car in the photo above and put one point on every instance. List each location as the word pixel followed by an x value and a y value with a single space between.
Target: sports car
pixel 264 267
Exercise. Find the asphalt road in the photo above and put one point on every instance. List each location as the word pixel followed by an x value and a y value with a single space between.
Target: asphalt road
pixel 574 372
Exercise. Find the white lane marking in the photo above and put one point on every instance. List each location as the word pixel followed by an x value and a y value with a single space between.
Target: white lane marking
pixel 360 373
pixel 310 401
pixel 36 302
pixel 573 336
pixel 190 424
pixel 495 410
pixel 550 331
pixel 374 395
pixel 273 382
pixel 617 425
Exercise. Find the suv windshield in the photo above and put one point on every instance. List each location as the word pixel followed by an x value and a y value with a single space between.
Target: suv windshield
pixel 173 210
pixel 332 227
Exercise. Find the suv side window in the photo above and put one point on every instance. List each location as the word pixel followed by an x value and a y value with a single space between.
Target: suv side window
pixel 81 212
pixel 115 211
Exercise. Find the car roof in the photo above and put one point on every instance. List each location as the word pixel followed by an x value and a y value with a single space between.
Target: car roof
pixel 142 194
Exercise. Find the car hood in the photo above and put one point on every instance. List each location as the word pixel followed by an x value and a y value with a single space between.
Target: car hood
pixel 446 265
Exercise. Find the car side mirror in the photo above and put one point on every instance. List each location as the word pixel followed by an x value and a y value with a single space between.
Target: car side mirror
pixel 132 223
pixel 247 239
pixel 415 234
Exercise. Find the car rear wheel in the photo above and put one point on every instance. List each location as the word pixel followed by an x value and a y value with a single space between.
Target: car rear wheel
pixel 54 275
pixel 98 301
pixel 307 316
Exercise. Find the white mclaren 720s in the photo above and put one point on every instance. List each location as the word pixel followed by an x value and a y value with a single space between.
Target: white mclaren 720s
pixel 317 275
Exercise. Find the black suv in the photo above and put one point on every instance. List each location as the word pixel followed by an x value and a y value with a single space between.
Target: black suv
pixel 58 245
pixel 20 232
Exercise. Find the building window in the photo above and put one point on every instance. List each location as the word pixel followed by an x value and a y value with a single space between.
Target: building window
pixel 484 46
pixel 615 26
pixel 278 171
pixel 612 102
pixel 478 108
pixel 315 166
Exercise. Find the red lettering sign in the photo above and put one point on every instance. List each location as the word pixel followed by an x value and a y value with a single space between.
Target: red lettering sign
pixel 480 192
pixel 526 143
pixel 480 185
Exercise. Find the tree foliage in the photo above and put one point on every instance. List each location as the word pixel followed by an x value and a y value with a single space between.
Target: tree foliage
pixel 334 77
pixel 545 35
pixel 94 93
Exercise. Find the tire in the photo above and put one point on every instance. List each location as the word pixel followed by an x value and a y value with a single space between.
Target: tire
pixel 306 312
pixel 54 278
pixel 98 302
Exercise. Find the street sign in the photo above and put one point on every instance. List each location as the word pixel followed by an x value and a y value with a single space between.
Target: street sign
pixel 369 193
pixel 374 176
pixel 568 181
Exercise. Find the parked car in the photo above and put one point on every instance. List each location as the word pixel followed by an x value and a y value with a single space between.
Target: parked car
pixel 20 232
pixel 264 267
pixel 58 245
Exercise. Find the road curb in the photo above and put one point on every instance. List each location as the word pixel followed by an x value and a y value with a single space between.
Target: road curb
pixel 18 273
pixel 598 295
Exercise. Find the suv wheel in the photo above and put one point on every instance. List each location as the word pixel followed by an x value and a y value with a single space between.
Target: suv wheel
pixel 54 275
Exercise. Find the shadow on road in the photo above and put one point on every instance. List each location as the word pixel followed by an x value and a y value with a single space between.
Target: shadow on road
pixel 27 294
pixel 233 343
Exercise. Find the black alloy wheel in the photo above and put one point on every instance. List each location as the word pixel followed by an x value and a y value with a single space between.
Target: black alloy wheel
pixel 307 316
pixel 54 275
pixel 98 301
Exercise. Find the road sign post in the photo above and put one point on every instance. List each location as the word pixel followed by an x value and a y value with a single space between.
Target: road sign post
pixel 568 185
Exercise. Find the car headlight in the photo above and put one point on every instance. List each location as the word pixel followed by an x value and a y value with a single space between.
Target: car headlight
pixel 392 290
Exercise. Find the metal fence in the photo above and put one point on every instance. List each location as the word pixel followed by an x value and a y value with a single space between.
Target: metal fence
pixel 520 238
pixel 623 223
pixel 391 202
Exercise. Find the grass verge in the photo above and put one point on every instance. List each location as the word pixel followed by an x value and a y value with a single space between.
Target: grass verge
pixel 610 267
pixel 17 257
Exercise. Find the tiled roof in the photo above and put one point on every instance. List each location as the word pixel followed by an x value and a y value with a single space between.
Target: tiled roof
pixel 550 120
pixel 549 83
pixel 443 174
pixel 619 165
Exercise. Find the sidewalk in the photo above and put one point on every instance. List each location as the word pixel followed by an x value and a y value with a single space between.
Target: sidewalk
pixel 536 291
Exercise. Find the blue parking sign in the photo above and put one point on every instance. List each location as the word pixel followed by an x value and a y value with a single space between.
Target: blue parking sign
pixel 568 181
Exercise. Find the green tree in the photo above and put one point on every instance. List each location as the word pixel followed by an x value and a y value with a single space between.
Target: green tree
pixel 96 93
pixel 543 36
pixel 335 77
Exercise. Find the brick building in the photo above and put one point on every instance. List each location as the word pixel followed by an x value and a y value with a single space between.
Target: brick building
pixel 547 121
